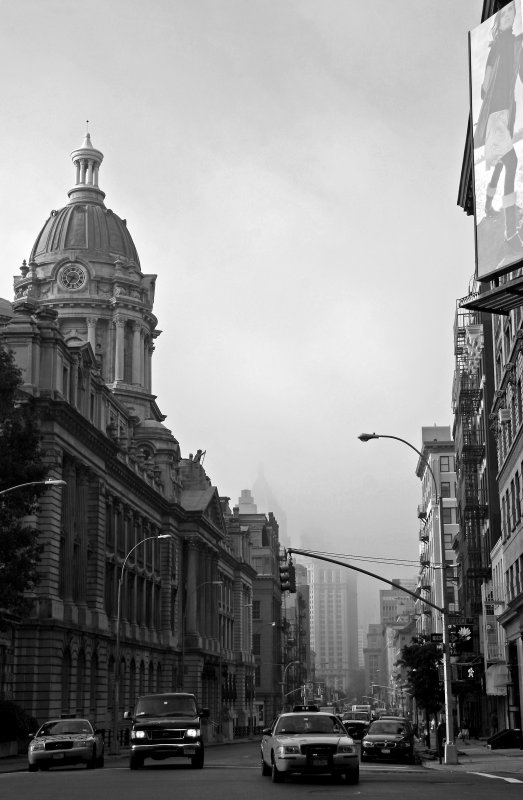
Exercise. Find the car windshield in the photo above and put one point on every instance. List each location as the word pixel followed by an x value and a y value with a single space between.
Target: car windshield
pixel 166 706
pixel 389 727
pixel 65 726
pixel 304 724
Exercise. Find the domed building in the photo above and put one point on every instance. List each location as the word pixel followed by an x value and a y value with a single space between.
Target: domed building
pixel 143 569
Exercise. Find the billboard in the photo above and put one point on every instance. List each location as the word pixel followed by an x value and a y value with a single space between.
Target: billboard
pixel 496 98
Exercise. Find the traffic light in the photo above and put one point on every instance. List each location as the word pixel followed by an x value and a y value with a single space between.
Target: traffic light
pixel 292 577
pixel 285 582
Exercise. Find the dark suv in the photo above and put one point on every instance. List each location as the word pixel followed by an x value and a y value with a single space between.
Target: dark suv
pixel 390 738
pixel 166 726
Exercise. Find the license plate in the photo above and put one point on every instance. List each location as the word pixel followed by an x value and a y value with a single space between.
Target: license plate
pixel 190 751
pixel 385 750
pixel 320 762
pixel 58 755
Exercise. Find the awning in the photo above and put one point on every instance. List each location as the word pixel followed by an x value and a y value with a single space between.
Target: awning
pixel 496 678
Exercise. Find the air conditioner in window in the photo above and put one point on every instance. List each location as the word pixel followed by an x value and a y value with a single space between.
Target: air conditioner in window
pixel 504 415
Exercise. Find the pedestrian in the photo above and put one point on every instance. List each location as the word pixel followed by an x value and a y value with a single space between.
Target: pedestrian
pixel 495 125
pixel 465 730
pixel 494 724
pixel 441 733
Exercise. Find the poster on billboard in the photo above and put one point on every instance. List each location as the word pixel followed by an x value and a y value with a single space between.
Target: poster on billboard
pixel 496 98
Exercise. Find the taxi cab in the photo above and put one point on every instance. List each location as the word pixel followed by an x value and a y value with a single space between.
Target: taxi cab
pixel 309 743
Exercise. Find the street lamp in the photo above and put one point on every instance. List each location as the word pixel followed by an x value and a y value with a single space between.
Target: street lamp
pixel 116 691
pixel 46 482
pixel 451 753
pixel 286 667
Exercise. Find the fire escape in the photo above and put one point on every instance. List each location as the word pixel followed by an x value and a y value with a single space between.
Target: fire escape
pixel 469 436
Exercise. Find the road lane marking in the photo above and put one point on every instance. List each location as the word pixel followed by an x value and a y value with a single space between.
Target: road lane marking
pixel 496 777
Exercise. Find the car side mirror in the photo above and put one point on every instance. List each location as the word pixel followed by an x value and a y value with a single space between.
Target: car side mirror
pixel 203 713
pixel 99 732
pixel 266 731
pixel 127 715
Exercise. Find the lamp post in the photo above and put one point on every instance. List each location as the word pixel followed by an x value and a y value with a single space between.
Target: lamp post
pixel 451 753
pixel 195 589
pixel 116 692
pixel 46 482
pixel 286 667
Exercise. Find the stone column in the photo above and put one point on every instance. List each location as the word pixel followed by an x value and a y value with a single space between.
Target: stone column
pixel 192 583
pixel 90 172
pixel 91 332
pixel 77 165
pixel 119 324
pixel 81 510
pixel 69 505
pixel 137 375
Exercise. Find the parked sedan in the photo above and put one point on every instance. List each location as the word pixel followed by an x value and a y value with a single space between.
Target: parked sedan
pixel 391 739
pixel 308 743
pixel 66 741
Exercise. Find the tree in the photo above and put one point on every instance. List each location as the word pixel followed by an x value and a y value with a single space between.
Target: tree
pixel 20 462
pixel 421 660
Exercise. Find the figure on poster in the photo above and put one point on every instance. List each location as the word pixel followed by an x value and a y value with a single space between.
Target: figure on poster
pixel 495 126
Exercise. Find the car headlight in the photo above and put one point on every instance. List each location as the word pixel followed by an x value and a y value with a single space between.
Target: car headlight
pixel 288 750
pixel 192 733
pixel 82 742
pixel 37 746
pixel 345 748
pixel 367 744
pixel 138 735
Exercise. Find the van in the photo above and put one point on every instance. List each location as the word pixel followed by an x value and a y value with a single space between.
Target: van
pixel 166 725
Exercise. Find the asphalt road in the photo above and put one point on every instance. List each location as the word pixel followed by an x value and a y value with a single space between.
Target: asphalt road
pixel 232 772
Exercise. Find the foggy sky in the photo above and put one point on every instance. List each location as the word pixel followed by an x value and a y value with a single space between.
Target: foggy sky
pixel 289 169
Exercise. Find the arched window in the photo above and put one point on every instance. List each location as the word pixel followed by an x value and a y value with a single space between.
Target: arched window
pixel 132 684
pixel 93 685
pixel 66 682
pixel 141 685
pixel 151 686
pixel 80 684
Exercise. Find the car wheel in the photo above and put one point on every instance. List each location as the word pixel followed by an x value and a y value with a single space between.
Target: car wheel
pixel 411 758
pixel 265 770
pixel 197 761
pixel 135 762
pixel 92 763
pixel 101 761
pixel 353 776
pixel 32 767
pixel 276 775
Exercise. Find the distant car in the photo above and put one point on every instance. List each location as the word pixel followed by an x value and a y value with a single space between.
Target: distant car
pixel 389 738
pixel 356 728
pixel 309 743
pixel 66 741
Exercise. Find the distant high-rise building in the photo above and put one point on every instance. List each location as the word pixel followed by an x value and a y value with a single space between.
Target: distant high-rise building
pixel 334 624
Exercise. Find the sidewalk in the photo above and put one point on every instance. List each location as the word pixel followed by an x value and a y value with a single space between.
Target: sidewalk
pixel 476 756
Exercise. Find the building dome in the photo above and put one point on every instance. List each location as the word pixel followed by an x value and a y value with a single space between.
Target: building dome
pixel 85 226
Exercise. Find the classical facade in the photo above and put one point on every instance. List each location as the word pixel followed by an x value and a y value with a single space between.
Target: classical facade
pixel 138 545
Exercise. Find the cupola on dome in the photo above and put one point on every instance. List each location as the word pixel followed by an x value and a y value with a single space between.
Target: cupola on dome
pixel 85 226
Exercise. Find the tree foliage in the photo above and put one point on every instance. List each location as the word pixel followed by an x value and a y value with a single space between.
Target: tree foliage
pixel 421 660
pixel 20 462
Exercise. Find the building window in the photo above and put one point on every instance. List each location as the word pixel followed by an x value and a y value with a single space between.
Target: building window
pixel 445 489
pixel 256 611
pixel 256 644
pixel 444 464
pixel 447 516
